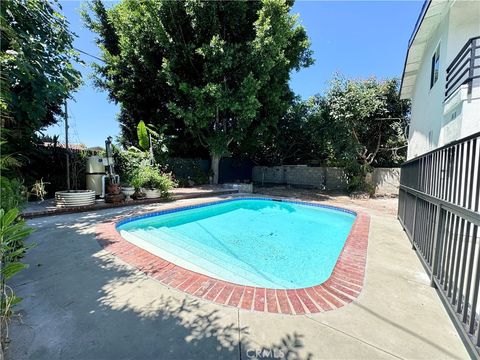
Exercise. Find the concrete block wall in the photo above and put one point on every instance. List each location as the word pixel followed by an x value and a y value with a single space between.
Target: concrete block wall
pixel 268 174
pixel 329 178
pixel 302 175
pixel 336 178
pixel 385 180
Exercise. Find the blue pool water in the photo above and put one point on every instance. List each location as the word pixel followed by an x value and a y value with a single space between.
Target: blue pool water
pixel 254 242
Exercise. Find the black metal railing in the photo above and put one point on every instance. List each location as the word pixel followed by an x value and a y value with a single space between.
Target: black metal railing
pixel 464 68
pixel 439 203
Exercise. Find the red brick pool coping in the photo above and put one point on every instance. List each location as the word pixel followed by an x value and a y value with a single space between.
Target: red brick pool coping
pixel 344 285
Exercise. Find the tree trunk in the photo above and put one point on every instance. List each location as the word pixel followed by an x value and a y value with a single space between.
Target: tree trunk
pixel 215 167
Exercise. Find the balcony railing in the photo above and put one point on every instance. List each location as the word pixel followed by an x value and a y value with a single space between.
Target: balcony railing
pixel 439 204
pixel 464 68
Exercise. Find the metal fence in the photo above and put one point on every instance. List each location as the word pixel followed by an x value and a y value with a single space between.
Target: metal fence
pixel 438 208
pixel 464 68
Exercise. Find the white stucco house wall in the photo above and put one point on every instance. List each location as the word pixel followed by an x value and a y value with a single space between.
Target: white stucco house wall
pixel 442 75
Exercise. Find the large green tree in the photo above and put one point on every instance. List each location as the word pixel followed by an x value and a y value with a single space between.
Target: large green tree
pixel 217 71
pixel 37 72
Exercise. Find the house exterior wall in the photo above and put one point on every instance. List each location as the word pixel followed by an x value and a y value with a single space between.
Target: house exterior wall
pixel 435 122
pixel 427 104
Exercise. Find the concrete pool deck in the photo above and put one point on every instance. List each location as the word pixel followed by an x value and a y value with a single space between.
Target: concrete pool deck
pixel 81 302
pixel 45 208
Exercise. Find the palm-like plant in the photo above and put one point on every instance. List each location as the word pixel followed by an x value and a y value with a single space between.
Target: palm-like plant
pixel 147 135
pixel 11 189
pixel 8 161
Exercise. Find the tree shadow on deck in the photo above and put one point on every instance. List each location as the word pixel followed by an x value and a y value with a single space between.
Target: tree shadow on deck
pixel 80 302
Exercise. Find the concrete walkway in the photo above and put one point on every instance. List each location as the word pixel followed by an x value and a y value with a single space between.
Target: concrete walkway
pixel 82 303
pixel 44 208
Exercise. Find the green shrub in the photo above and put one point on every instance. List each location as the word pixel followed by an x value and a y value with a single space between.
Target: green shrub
pixel 357 178
pixel 128 162
pixel 151 177
pixel 12 193
pixel 12 233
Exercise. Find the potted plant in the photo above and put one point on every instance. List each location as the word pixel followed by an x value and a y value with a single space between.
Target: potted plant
pixel 150 181
pixel 128 190
pixel 126 186
pixel 127 163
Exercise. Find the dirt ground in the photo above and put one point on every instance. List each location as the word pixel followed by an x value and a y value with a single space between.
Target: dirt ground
pixel 378 205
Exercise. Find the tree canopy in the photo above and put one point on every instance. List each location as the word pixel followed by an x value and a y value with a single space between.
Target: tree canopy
pixel 215 71
pixel 357 124
pixel 367 119
pixel 128 35
pixel 37 57
pixel 300 137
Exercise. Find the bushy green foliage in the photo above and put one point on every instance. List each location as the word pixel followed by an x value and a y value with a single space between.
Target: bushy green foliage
pixel 128 161
pixel 37 73
pixel 367 121
pixel 357 125
pixel 151 177
pixel 12 193
pixel 12 190
pixel 132 41
pixel 12 233
pixel 299 138
pixel 356 175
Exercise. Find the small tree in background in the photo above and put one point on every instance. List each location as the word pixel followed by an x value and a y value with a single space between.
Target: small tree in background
pixel 367 118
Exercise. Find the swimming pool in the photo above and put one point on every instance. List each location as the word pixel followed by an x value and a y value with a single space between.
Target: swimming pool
pixel 253 242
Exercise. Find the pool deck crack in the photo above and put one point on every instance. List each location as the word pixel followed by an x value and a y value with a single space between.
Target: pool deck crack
pixel 353 337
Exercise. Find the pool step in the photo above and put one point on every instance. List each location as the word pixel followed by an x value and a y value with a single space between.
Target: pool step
pixel 171 249
pixel 202 246
pixel 218 255
pixel 164 247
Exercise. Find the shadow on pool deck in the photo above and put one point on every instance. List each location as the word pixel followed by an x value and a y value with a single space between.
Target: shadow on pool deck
pixel 82 303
